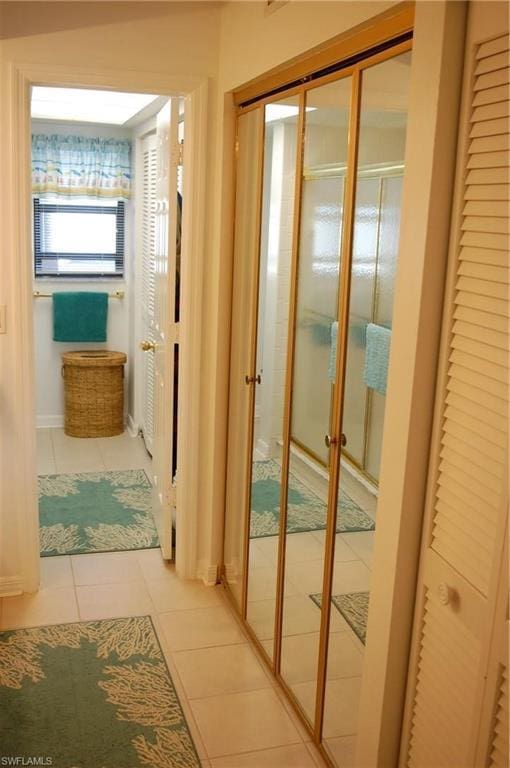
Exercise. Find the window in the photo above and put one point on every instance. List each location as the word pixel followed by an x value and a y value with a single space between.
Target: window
pixel 78 240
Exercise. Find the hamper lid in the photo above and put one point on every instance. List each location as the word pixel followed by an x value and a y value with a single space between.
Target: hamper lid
pixel 94 358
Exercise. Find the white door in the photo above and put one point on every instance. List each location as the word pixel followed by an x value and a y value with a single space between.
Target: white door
pixel 148 245
pixel 164 328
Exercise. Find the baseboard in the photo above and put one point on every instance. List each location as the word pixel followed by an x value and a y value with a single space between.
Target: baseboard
pixel 10 586
pixel 49 422
pixel 208 573
pixel 131 426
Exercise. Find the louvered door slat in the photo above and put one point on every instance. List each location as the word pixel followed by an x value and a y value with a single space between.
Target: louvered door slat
pixel 483 319
pixel 500 739
pixel 484 255
pixel 491 95
pixel 466 513
pixel 491 111
pixel 481 207
pixel 477 395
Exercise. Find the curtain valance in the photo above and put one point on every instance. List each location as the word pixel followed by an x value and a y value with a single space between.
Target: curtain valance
pixel 73 166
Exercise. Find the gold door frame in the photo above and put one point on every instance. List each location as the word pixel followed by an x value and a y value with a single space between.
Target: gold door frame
pixel 356 72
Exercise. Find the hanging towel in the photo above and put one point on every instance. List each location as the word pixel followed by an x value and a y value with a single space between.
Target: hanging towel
pixel 332 352
pixel 377 355
pixel 79 316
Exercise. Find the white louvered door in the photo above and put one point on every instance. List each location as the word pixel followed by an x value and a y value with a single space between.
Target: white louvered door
pixel 149 160
pixel 456 616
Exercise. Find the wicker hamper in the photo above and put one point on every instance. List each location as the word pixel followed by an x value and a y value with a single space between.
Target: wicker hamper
pixel 94 393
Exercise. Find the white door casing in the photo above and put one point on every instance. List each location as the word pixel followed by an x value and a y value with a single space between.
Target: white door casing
pixel 165 329
pixel 19 547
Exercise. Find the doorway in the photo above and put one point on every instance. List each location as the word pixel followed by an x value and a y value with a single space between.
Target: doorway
pixel 96 196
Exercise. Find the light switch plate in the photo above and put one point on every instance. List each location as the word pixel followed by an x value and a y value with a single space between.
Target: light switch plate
pixel 3 318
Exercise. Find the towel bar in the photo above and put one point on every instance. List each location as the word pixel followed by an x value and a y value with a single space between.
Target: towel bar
pixel 114 295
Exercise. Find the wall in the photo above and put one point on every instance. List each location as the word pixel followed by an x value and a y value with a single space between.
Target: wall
pixel 49 382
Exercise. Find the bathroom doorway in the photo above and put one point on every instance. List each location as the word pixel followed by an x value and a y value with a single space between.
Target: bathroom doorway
pixel 106 209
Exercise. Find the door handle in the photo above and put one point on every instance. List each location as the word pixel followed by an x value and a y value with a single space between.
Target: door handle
pixel 146 346
pixel 330 440
pixel 253 379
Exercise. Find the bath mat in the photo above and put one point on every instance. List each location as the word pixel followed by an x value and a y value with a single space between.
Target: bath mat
pixel 94 694
pixel 306 511
pixel 354 608
pixel 96 512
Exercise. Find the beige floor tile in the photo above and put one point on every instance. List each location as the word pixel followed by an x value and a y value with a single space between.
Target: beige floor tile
pixel 301 547
pixel 301 615
pixel 200 628
pixel 317 758
pixel 106 568
pixel 153 565
pixel 351 576
pixel 112 600
pixel 262 584
pixel 343 553
pixel 56 572
pixel 242 722
pixel 299 659
pixel 261 556
pixel 342 750
pixel 45 457
pixel 292 756
pixel 362 543
pixel 260 616
pixel 341 707
pixel 220 670
pixel 48 606
pixel 174 594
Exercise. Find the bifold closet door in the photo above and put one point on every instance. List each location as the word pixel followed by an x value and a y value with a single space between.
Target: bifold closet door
pixel 457 702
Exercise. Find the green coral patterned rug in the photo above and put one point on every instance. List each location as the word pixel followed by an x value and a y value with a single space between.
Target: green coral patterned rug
pixel 354 608
pixel 96 512
pixel 306 511
pixel 95 694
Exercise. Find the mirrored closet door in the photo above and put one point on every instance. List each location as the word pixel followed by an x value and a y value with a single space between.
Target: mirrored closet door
pixel 318 190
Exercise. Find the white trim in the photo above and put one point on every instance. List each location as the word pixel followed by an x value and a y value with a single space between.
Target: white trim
pixel 10 586
pixel 132 427
pixel 55 421
pixel 18 468
pixel 207 572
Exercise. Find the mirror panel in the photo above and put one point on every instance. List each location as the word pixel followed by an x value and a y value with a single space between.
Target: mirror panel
pixel 380 170
pixel 281 121
pixel 320 239
pixel 249 136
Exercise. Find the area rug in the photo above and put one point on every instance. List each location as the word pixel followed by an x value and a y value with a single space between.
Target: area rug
pixel 96 512
pixel 306 511
pixel 354 608
pixel 93 694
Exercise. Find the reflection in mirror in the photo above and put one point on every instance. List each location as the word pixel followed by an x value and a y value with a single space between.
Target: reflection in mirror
pixel 320 237
pixel 281 119
pixel 380 170
pixel 249 138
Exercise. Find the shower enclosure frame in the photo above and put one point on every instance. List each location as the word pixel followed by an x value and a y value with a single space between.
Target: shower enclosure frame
pixel 401 43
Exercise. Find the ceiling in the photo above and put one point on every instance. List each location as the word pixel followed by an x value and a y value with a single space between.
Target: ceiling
pixel 91 106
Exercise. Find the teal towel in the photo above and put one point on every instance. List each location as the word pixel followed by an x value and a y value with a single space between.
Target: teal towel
pixel 79 316
pixel 332 352
pixel 377 356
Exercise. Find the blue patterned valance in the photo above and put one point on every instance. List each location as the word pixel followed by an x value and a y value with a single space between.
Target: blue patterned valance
pixel 74 166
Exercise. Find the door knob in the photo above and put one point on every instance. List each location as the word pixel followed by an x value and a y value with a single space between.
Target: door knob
pixel 253 379
pixel 329 440
pixel 147 345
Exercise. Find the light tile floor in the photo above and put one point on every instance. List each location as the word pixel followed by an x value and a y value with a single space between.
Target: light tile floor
pixel 238 716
